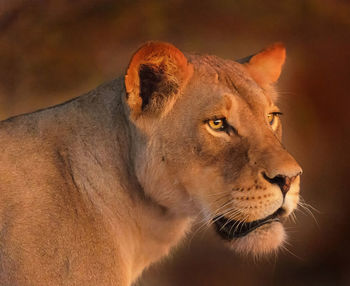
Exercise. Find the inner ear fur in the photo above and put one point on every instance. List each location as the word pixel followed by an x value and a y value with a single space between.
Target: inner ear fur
pixel 265 67
pixel 156 72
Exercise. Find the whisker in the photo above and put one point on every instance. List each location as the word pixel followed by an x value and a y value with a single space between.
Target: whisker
pixel 219 194
pixel 232 212
pixel 223 206
pixel 308 211
pixel 283 247
pixel 310 207
pixel 238 224
pixel 302 201
pixel 293 217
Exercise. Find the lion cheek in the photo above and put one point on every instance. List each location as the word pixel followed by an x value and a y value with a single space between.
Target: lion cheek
pixel 262 241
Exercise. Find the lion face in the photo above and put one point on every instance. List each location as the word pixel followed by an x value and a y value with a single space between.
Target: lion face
pixel 211 142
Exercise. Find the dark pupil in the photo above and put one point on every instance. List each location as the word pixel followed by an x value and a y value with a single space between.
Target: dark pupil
pixel 217 122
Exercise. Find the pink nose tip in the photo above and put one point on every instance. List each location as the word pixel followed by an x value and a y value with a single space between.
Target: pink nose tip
pixel 282 181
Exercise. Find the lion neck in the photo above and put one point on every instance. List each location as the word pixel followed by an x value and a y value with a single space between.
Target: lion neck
pixel 103 168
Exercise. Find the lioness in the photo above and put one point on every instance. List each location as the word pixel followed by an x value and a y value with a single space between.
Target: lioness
pixel 96 189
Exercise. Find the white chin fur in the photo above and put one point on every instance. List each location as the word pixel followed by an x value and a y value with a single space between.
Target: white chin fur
pixel 260 241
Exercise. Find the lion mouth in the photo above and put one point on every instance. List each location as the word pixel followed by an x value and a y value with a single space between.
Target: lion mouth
pixel 230 229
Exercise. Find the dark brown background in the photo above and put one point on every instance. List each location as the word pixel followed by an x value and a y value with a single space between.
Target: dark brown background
pixel 51 51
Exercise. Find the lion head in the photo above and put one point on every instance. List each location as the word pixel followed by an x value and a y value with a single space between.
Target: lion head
pixel 209 141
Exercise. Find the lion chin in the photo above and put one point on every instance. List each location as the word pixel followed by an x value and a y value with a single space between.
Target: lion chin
pixel 261 241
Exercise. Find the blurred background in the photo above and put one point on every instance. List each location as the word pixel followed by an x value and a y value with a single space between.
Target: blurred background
pixel 51 51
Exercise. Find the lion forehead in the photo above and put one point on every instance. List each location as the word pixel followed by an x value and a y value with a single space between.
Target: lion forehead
pixel 215 77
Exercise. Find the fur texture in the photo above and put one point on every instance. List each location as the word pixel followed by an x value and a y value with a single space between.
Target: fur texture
pixel 95 190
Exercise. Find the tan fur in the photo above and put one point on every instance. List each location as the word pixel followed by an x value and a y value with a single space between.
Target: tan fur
pixel 265 67
pixel 95 190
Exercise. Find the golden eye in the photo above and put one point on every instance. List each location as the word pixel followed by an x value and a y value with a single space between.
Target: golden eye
pixel 271 118
pixel 216 124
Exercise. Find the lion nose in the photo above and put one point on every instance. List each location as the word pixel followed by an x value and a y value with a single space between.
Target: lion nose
pixel 282 181
pixel 280 169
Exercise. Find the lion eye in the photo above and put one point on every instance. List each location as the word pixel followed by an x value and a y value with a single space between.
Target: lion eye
pixel 272 119
pixel 216 124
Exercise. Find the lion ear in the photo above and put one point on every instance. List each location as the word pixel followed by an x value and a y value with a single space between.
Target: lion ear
pixel 265 67
pixel 157 71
